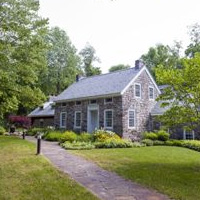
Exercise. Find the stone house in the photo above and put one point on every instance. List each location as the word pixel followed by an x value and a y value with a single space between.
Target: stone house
pixel 120 101
pixel 43 115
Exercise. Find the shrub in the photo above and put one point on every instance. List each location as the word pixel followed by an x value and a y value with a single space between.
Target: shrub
pixel 137 144
pixel 178 143
pixel 158 142
pixel 2 130
pixel 169 143
pixel 103 135
pixel 163 135
pixel 150 135
pixel 192 144
pixel 113 143
pixel 147 142
pixel 69 136
pixel 34 131
pixel 53 136
pixel 77 145
pixel 85 137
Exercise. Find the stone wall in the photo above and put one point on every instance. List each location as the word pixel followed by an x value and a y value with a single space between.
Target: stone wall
pixel 42 121
pixel 142 106
pixel 71 107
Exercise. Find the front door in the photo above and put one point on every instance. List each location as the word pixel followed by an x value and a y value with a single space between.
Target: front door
pixel 93 119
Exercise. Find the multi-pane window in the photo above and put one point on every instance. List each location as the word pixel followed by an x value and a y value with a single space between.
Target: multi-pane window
pixel 151 93
pixel 108 100
pixel 131 118
pixel 77 119
pixel 108 119
pixel 93 101
pixel 78 102
pixel 63 104
pixel 188 135
pixel 63 116
pixel 137 90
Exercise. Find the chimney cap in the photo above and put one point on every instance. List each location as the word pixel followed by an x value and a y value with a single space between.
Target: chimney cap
pixel 139 64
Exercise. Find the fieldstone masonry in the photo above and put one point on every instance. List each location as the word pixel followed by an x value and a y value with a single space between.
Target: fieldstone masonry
pixel 142 106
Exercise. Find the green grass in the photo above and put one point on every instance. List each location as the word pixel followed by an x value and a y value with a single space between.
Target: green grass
pixel 25 176
pixel 173 171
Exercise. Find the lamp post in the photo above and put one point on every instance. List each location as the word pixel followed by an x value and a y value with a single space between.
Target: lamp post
pixel 38 144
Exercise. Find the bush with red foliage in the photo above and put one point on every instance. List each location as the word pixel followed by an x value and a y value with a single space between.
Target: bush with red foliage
pixel 20 121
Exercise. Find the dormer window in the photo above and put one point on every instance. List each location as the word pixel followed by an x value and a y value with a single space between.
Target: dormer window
pixel 63 104
pixel 94 101
pixel 78 103
pixel 138 90
pixel 108 100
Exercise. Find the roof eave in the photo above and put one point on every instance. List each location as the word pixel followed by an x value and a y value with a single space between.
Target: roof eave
pixel 89 97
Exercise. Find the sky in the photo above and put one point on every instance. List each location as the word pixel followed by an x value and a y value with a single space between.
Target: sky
pixel 122 30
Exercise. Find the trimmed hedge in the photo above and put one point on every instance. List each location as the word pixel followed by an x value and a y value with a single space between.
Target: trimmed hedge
pixel 190 144
pixel 159 135
pixel 78 145
pixel 53 136
pixel 113 143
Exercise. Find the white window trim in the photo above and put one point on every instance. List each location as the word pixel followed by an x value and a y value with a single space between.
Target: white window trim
pixel 61 120
pixel 108 98
pixel 108 127
pixel 132 127
pixel 184 134
pixel 75 119
pixel 135 90
pixel 153 93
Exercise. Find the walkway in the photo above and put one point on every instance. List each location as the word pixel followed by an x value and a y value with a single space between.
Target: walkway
pixel 104 184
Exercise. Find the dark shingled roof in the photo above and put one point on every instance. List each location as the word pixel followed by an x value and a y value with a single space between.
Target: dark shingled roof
pixel 46 111
pixel 100 85
pixel 158 110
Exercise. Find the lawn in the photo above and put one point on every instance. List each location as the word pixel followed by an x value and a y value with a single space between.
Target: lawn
pixel 174 171
pixel 23 175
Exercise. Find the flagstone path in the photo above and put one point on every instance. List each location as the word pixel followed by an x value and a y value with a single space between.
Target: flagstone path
pixel 104 184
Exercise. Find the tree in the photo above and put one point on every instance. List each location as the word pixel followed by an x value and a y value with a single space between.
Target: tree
pixel 88 54
pixel 162 55
pixel 182 93
pixel 22 54
pixel 194 46
pixel 62 62
pixel 118 67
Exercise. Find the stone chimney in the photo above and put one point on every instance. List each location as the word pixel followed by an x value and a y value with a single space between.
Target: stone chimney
pixel 77 78
pixel 138 64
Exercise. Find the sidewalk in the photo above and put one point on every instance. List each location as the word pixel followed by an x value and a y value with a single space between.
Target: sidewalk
pixel 104 184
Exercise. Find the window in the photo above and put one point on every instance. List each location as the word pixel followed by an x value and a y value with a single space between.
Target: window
pixel 78 102
pixel 108 100
pixel 94 101
pixel 63 117
pixel 77 119
pixel 151 93
pixel 131 118
pixel 63 104
pixel 137 90
pixel 41 123
pixel 188 135
pixel 108 119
